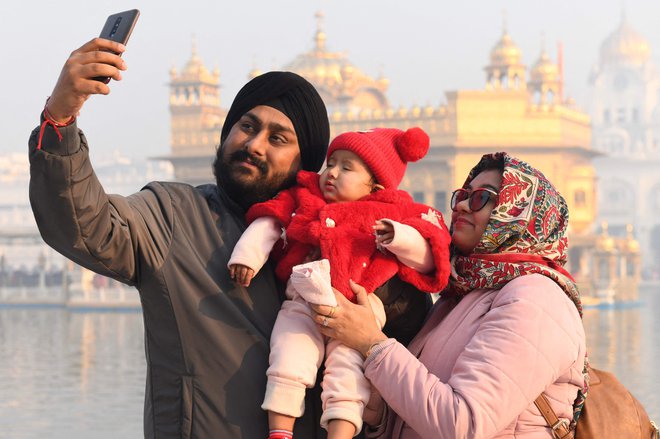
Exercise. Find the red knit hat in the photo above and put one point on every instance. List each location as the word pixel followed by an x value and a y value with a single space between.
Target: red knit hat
pixel 386 151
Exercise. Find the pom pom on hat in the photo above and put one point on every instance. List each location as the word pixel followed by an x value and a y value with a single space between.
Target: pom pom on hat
pixel 386 151
pixel 413 144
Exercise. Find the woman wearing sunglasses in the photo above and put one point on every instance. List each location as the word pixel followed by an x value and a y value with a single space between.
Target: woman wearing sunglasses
pixel 507 328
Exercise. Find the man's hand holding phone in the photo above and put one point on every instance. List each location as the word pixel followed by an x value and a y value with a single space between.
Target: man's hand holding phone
pixel 89 68
pixel 98 57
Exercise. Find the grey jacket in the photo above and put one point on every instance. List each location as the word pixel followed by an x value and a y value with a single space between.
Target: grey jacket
pixel 206 338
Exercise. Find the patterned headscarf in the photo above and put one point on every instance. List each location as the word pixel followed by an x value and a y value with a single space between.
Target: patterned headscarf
pixel 525 235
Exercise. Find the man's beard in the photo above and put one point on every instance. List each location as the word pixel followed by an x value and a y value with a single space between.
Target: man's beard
pixel 244 188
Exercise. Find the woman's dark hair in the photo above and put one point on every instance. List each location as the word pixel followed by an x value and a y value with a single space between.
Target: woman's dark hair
pixel 487 163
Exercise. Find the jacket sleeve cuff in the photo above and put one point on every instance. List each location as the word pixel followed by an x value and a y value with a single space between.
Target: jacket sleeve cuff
pixel 410 247
pixel 256 243
pixel 51 143
pixel 377 350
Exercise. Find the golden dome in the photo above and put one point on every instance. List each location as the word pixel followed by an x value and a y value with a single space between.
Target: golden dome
pixel 505 52
pixel 335 77
pixel 625 46
pixel 320 66
pixel 324 68
pixel 194 70
pixel 544 70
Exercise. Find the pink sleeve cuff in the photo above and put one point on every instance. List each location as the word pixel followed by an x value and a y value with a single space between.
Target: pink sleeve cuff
pixel 410 247
pixel 255 244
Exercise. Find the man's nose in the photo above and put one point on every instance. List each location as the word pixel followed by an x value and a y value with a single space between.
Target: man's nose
pixel 257 144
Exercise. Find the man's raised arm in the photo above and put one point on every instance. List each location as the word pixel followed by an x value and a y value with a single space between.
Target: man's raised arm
pixel 74 214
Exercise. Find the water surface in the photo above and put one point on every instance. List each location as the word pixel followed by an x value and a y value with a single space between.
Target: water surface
pixel 81 375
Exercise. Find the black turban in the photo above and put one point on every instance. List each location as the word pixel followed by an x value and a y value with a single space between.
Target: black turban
pixel 298 100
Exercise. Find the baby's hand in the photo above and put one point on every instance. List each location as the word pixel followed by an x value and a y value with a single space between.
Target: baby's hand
pixel 384 232
pixel 313 255
pixel 241 274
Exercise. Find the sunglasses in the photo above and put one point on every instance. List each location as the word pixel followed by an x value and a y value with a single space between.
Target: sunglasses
pixel 478 198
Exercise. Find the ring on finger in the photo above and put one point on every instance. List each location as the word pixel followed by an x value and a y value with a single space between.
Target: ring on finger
pixel 325 321
pixel 332 311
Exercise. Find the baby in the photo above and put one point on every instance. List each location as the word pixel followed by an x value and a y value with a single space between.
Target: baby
pixel 338 213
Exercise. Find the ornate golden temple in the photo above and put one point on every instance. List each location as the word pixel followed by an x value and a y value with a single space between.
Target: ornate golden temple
pixel 196 120
pixel 518 110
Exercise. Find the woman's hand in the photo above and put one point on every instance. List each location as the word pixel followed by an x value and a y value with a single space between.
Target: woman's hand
pixel 354 325
pixel 98 57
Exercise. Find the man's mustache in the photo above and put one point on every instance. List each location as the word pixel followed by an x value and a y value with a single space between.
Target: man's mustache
pixel 243 156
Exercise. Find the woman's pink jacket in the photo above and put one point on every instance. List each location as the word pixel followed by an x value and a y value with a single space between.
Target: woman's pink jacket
pixel 476 367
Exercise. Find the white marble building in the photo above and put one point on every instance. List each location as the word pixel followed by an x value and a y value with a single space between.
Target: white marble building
pixel 625 111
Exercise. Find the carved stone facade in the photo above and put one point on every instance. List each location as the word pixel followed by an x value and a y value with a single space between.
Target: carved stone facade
pixel 196 120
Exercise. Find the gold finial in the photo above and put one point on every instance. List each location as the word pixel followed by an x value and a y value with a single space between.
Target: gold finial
pixel 504 25
pixel 542 41
pixel 632 245
pixel 543 57
pixel 319 38
pixel 255 70
pixel 605 242
pixel 194 46
pixel 319 20
pixel 604 227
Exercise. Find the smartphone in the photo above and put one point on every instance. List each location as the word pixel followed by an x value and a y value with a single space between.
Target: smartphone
pixel 118 27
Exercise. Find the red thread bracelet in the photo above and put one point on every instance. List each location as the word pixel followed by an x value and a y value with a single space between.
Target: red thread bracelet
pixel 48 120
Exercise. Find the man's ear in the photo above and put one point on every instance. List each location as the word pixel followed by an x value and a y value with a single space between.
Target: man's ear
pixel 377 187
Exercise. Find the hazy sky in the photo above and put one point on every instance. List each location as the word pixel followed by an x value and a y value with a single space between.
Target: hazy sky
pixel 423 47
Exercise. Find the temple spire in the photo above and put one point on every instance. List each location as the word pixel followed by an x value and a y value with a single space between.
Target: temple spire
pixel 319 38
pixel 504 23
pixel 194 46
